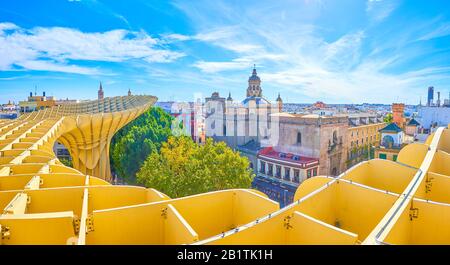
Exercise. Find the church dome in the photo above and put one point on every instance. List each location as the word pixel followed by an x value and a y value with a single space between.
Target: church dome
pixel 254 76
pixel 258 101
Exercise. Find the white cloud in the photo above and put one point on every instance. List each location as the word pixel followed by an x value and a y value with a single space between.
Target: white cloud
pixel 217 34
pixel 176 37
pixel 52 48
pixel 214 67
pixel 40 65
pixel 296 58
pixel 378 10
pixel 7 26
pixel 345 52
pixel 442 31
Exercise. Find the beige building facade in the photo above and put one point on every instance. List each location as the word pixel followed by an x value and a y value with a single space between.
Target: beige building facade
pixel 321 137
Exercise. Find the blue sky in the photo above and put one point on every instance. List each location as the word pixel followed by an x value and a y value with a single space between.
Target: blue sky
pixel 376 51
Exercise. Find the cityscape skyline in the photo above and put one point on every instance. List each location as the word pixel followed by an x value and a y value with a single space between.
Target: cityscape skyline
pixel 292 122
pixel 174 50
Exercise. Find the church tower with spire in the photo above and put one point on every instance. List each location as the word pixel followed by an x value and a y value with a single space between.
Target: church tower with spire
pixel 100 92
pixel 254 85
pixel 279 103
pixel 129 92
pixel 229 98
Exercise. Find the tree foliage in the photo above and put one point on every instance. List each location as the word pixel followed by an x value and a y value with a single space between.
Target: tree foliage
pixel 183 168
pixel 132 144
pixel 388 118
pixel 66 162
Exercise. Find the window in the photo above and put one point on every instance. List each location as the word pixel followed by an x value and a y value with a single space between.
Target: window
pixel 296 176
pixel 299 138
pixel 388 141
pixel 394 157
pixel 278 172
pixel 382 156
pixel 314 171
pixel 308 173
pixel 262 168
pixel 270 171
pixel 287 173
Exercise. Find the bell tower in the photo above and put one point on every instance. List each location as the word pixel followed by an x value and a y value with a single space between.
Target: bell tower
pixel 100 92
pixel 254 84
pixel 279 103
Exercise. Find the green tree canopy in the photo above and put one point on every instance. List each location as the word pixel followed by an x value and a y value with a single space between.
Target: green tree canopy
pixel 132 144
pixel 388 118
pixel 183 168
pixel 67 162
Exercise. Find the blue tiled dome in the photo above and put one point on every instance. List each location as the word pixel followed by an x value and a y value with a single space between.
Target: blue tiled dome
pixel 259 100
pixel 253 78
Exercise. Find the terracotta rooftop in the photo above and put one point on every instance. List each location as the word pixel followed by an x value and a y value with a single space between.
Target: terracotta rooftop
pixel 288 157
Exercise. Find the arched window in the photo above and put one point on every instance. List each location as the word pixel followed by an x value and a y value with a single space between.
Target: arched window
pixel 335 139
pixel 388 141
pixel 299 138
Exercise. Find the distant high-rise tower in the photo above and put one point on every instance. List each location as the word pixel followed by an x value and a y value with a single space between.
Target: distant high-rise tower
pixel 398 110
pixel 254 85
pixel 100 92
pixel 430 96
pixel 438 101
pixel 447 101
pixel 129 92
